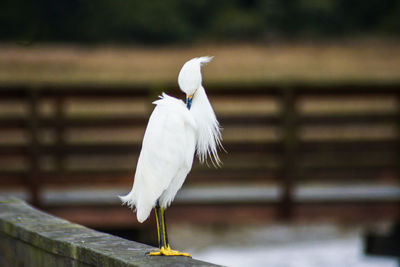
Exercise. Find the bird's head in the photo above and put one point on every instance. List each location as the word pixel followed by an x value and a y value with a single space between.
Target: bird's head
pixel 189 78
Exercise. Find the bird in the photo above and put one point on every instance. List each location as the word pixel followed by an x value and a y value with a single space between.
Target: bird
pixel 175 133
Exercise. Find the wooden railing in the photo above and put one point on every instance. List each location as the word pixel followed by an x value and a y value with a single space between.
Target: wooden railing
pixel 283 135
pixel 45 240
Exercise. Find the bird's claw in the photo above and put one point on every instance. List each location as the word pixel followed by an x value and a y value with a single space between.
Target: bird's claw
pixel 167 251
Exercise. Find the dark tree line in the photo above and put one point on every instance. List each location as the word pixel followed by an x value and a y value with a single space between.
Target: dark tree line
pixel 174 21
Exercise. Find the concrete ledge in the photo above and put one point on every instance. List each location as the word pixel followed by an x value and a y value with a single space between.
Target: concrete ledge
pixel 29 237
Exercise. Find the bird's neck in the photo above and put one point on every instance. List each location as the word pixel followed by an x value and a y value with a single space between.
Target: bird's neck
pixel 208 131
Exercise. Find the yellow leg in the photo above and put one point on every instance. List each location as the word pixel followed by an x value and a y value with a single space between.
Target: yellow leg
pixel 158 229
pixel 165 249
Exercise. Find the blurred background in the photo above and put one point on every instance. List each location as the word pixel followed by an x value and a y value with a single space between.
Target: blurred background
pixel 307 93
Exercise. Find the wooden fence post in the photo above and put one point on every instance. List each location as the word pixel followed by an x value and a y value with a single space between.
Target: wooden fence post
pixel 289 142
pixel 60 132
pixel 33 175
pixel 398 139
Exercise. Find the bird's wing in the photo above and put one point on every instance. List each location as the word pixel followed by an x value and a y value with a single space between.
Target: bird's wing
pixel 163 152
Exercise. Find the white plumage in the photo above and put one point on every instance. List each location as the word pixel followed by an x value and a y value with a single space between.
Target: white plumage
pixel 172 135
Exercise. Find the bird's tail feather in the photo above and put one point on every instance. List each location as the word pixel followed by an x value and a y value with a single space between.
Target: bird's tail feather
pixel 128 200
pixel 139 202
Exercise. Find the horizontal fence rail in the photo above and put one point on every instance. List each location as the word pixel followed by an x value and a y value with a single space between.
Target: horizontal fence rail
pixel 282 135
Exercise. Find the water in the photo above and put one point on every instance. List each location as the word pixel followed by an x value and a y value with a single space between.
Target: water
pixel 333 253
pixel 279 246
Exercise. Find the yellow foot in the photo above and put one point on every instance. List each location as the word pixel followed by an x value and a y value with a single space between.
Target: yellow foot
pixel 167 251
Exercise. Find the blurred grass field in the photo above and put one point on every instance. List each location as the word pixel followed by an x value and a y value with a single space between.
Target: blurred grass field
pixel 352 61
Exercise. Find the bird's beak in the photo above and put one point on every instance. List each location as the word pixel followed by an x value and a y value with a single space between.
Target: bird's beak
pixel 189 101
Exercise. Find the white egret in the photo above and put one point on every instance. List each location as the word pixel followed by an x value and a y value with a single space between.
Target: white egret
pixel 173 134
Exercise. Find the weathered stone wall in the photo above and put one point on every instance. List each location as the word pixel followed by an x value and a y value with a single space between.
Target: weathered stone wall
pixel 29 237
